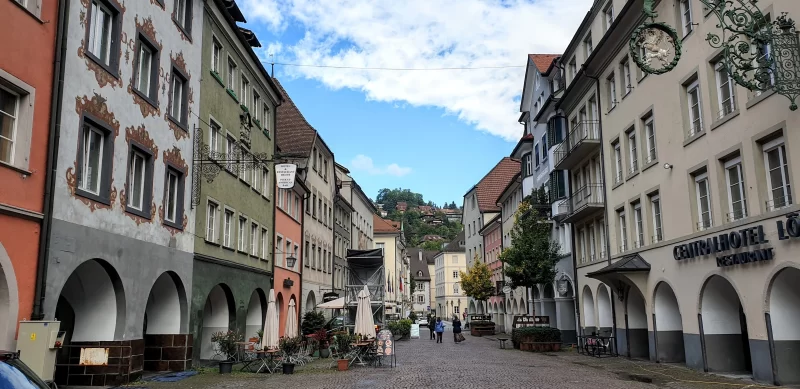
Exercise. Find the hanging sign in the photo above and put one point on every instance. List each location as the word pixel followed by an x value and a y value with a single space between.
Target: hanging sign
pixel 285 174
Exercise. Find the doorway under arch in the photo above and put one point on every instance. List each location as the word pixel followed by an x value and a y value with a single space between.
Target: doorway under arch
pixel 281 309
pixel 311 301
pixel 256 312
pixel 9 306
pixel 218 313
pixel 94 300
pixel 668 325
pixel 784 315
pixel 165 312
pixel 587 303
pixel 605 316
pixel 724 327
pixel 549 304
pixel 636 319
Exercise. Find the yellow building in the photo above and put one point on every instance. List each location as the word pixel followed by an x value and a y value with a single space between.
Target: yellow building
pixel 450 299
pixel 388 236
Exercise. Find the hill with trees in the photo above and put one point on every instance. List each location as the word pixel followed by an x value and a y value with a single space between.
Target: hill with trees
pixel 418 222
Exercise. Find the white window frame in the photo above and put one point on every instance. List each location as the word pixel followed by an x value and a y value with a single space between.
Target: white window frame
pixel 95 46
pixel 698 179
pixel 175 192
pixel 626 76
pixel 265 181
pixel 216 53
pixel 612 90
pixel 650 138
pixel 15 117
pixel 254 228
pixel 618 162
pixel 177 94
pixel 212 209
pixel 592 243
pixel 735 163
pixel 231 79
pixel 241 232
pixel 264 243
pixel 778 144
pixel 587 44
pixel 719 71
pixel 88 131
pixel 144 48
pixel 227 226
pixel 608 14
pixel 244 89
pixel 623 231
pixel 694 87
pixel 658 225
pixel 214 132
pixel 638 224
pixel 687 20
pixel 633 151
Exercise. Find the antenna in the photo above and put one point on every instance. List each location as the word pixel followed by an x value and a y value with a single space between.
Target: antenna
pixel 272 64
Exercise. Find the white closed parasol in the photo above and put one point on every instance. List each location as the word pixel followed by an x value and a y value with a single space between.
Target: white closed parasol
pixel 270 338
pixel 364 323
pixel 291 320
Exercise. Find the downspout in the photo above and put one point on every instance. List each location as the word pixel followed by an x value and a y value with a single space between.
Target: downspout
pixel 275 188
pixel 302 255
pixel 605 204
pixel 52 159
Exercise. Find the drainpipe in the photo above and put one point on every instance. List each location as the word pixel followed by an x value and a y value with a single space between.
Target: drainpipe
pixel 605 204
pixel 52 159
pixel 302 255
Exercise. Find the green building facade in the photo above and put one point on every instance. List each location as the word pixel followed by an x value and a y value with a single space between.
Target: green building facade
pixel 235 214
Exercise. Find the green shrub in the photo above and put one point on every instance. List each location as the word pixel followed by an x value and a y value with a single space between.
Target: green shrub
pixel 536 334
pixel 413 316
pixel 312 321
pixel 401 328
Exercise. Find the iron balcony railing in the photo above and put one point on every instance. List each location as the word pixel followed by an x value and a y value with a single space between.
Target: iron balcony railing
pixel 588 130
pixel 778 203
pixel 588 195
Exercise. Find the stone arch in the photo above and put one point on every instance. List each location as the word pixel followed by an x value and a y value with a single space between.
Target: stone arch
pixel 280 306
pixel 636 318
pixel 9 301
pixel 724 327
pixel 668 325
pixel 784 313
pixel 588 311
pixel 605 315
pixel 311 301
pixel 165 312
pixel 256 313
pixel 522 308
pixel 92 303
pixel 219 312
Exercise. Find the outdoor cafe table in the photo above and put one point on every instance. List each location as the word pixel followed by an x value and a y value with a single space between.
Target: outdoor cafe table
pixel 268 362
pixel 363 349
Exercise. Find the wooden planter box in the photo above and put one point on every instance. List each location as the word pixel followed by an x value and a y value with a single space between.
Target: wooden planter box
pixel 480 331
pixel 540 346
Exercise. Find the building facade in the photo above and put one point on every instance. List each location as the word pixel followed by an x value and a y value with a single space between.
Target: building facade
pixel 448 264
pixel 361 231
pixel 493 246
pixel 26 87
pixel 389 237
pixel 516 301
pixel 299 140
pixel 288 252
pixel 342 213
pixel 119 262
pixel 699 200
pixel 420 284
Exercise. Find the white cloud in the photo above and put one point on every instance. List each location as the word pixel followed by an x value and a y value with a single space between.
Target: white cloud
pixel 427 34
pixel 364 163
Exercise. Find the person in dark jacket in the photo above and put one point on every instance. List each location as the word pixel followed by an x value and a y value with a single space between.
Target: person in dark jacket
pixel 431 325
pixel 456 329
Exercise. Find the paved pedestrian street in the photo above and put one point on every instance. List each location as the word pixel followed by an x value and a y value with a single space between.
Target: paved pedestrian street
pixel 476 363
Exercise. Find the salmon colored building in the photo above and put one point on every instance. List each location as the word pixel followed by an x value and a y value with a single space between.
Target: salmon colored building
pixel 26 93
pixel 492 245
pixel 289 243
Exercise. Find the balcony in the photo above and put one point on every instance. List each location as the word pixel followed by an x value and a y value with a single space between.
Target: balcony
pixel 580 143
pixel 583 203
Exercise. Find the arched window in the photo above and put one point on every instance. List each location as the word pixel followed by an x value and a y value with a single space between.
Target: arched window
pixel 419 273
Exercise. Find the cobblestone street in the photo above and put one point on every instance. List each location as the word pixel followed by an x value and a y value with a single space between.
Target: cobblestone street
pixel 476 363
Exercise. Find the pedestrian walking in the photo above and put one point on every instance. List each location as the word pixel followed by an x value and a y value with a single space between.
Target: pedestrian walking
pixel 431 324
pixel 456 330
pixel 439 329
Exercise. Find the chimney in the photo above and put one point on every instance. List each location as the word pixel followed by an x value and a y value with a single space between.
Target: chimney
pixel 420 255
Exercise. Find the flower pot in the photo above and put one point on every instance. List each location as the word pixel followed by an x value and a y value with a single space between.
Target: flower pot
pixel 288 368
pixel 225 367
pixel 342 364
pixel 324 352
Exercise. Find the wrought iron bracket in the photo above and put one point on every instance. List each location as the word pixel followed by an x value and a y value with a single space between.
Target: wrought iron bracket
pixel 757 54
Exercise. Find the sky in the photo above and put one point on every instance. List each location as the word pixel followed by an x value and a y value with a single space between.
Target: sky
pixel 436 132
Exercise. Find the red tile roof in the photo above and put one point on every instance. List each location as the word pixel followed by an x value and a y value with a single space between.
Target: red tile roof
pixel 381 225
pixel 543 61
pixel 493 184
pixel 293 133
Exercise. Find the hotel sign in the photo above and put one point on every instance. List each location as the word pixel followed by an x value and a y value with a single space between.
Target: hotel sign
pixel 748 240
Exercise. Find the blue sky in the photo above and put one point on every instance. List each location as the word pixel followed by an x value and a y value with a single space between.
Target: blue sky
pixel 435 132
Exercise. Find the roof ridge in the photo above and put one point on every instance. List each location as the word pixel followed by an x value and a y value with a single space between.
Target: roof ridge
pixel 292 106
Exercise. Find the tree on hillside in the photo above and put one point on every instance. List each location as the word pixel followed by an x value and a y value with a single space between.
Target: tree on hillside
pixel 431 245
pixel 533 255
pixel 390 197
pixel 477 281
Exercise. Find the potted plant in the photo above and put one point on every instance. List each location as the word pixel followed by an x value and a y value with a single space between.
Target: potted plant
pixel 289 346
pixel 536 338
pixel 226 342
pixel 324 340
pixel 343 345
pixel 312 321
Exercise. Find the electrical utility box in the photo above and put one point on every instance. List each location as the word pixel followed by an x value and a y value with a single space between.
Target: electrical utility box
pixel 38 342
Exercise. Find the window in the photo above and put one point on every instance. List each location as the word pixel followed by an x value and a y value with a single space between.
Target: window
pixel 231 74
pixel 626 76
pixel 33 6
pixel 544 147
pixel 103 31
pixel 173 198
pixel 455 291
pixel 137 179
pixel 296 253
pixel 592 243
pixel 267 119
pixel 780 192
pixel 528 164
pixel 281 204
pixel 455 274
pixel 695 109
pixel 253 239
pixel 380 245
pixel 454 260
pixel 305 255
pixel 536 153
pixel 737 203
pixel 230 151
pixel 587 44
pixel 177 110
pixel 573 68
pixel 655 205
pixel 94 156
pixel 297 207
pixel 278 249
pixel 227 224
pixel 9 102
pixel 242 233
pixel 183 15
pixel 456 309
pixel 314 205
pixel 265 181
pixel 650 134
pixel 245 89
pixel 639 224
pixel 618 162
pixel 325 172
pixel 612 91
pixel 623 231
pixel 211 221
pixel 633 153
pixel 216 50
pixel 608 14
pixel 703 201
pixel 725 91
pixel 256 104
pixel 213 137
pixel 686 17
pixel 147 70
pixel 264 243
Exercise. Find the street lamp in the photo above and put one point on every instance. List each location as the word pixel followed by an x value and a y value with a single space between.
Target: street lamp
pixel 290 261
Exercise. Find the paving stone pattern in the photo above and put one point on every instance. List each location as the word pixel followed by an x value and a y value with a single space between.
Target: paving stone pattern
pixel 477 363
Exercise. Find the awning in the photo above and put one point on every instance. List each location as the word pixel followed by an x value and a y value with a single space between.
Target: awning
pixel 631 263
pixel 333 304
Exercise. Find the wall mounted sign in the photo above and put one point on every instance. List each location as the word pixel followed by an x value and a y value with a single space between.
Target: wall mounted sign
pixel 750 239
pixel 285 174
